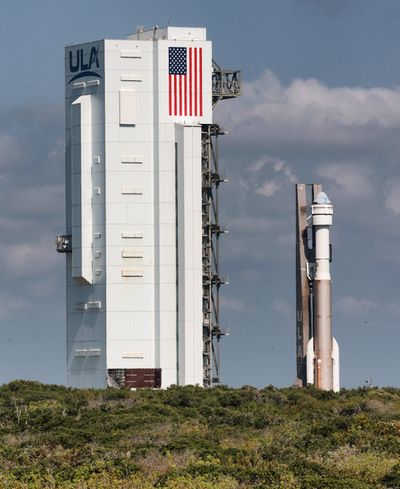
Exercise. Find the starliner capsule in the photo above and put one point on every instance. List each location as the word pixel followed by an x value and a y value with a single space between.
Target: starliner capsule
pixel 323 350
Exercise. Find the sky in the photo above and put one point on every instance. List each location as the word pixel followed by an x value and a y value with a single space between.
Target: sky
pixel 320 103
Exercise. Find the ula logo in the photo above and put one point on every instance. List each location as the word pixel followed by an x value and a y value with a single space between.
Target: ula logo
pixel 76 63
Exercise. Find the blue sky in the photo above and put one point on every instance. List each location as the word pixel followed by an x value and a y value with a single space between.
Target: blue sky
pixel 321 103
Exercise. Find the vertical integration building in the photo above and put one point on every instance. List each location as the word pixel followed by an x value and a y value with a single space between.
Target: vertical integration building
pixel 142 227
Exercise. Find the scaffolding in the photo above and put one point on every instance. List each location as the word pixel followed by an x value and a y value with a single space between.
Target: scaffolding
pixel 226 84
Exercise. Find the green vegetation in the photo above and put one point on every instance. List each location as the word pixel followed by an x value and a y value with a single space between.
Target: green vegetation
pixel 189 437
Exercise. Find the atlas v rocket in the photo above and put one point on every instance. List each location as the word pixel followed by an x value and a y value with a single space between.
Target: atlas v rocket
pixel 317 350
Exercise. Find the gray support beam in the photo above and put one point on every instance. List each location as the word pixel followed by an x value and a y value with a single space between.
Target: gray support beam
pixel 303 319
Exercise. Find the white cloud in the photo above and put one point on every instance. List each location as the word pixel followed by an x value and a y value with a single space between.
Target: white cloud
pixel 309 112
pixel 267 175
pixel 352 179
pixel 269 188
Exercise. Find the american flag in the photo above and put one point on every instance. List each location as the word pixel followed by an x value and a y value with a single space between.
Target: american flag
pixel 185 84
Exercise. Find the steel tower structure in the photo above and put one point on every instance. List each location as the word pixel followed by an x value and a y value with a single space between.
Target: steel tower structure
pixel 226 84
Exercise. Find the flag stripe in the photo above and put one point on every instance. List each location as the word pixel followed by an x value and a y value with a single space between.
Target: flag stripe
pixel 180 94
pixel 201 80
pixel 190 80
pixel 170 94
pixel 175 104
pixel 195 81
pixel 185 88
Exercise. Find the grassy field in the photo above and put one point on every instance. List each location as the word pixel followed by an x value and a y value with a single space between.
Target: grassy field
pixel 189 437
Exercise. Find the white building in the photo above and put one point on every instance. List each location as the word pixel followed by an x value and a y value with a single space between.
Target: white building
pixel 134 110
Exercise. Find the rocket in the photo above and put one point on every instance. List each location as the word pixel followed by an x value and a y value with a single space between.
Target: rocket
pixel 322 358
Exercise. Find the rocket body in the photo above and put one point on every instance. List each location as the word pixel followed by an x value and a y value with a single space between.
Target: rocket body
pixel 324 352
pixel 323 335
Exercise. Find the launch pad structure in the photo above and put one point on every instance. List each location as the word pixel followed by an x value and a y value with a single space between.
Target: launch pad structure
pixel 142 209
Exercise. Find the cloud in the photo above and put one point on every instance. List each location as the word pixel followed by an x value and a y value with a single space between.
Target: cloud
pixel 268 175
pixel 308 113
pixel 392 196
pixel 354 180
pixel 30 259
pixel 257 239
pixel 343 137
pixel 9 151
pixel 361 307
pixel 32 203
pixel 269 188
pixel 232 303
pixel 354 306
pixel 12 306
pixel 283 309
